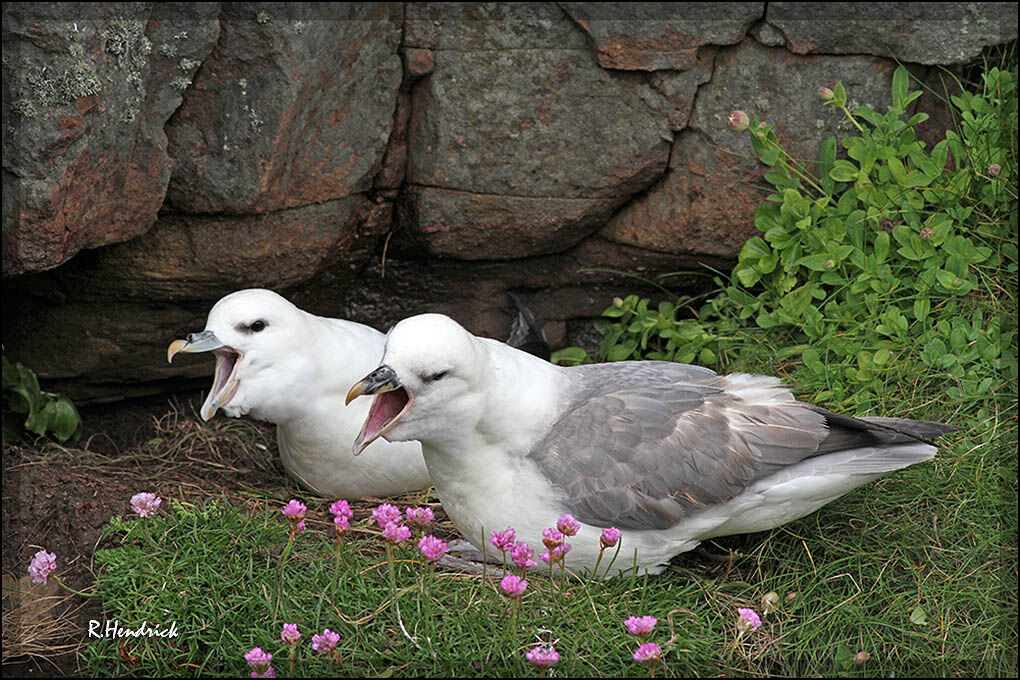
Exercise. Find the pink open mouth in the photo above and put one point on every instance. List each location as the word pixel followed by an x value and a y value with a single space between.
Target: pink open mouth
pixel 224 383
pixel 387 408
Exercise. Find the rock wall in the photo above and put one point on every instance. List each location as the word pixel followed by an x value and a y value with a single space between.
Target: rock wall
pixel 376 160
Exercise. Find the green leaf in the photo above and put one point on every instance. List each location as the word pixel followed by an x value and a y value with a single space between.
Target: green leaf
pixel 917 616
pixel 65 420
pixel 844 171
pixel 816 263
pixel 900 83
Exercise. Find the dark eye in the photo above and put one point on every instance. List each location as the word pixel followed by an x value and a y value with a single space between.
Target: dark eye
pixel 434 377
pixel 257 326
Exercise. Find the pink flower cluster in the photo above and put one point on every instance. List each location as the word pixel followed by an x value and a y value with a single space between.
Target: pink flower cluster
pixel 290 635
pixel 543 657
pixel 145 504
pixel 747 620
pixel 295 511
pixel 390 519
pixel 325 643
pixel 259 663
pixel 648 653
pixel 41 566
pixel 609 537
pixel 513 585
pixel 522 555
pixel 640 626
pixel 556 546
pixel 420 516
pixel 432 548
pixel 503 540
pixel 342 515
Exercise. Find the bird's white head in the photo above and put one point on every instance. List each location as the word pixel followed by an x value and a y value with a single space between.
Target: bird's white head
pixel 429 375
pixel 248 331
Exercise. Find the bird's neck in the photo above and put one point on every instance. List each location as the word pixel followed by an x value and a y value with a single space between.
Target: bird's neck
pixel 523 399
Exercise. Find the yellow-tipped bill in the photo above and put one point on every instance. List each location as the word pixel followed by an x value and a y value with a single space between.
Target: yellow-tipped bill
pixel 392 401
pixel 225 382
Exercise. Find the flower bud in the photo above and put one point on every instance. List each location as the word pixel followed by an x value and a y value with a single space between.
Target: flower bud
pixel 994 169
pixel 738 121
pixel 825 93
pixel 926 233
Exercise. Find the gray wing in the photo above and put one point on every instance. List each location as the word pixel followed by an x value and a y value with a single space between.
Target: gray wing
pixel 644 444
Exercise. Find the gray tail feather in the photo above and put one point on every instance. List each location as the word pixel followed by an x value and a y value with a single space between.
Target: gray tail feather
pixel 921 430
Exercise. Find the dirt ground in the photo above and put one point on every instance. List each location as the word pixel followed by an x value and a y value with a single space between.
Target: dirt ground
pixel 60 498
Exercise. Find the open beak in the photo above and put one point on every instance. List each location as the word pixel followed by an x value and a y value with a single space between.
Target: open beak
pixel 392 401
pixel 227 359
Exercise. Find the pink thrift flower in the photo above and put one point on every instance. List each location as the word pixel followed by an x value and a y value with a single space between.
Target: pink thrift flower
pixel 268 673
pixel 551 538
pixel 522 555
pixel 738 120
pixel 503 540
pixel 145 504
pixel 341 508
pixel 513 585
pixel 567 525
pixel 295 510
pixel 290 635
pixel 41 566
pixel 341 525
pixel 432 548
pixel 387 514
pixel 396 533
pixel 325 643
pixel 609 537
pixel 648 653
pixel 543 657
pixel 300 526
pixel 556 554
pixel 420 516
pixel 640 626
pixel 747 620
pixel 258 660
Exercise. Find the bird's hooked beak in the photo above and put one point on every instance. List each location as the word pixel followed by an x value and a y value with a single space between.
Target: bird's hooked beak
pixel 392 401
pixel 227 358
pixel 206 341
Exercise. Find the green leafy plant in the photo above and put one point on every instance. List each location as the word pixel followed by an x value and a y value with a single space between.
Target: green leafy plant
pixel 856 260
pixel 891 259
pixel 28 408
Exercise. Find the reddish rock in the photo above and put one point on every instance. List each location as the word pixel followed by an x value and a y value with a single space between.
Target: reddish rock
pixel 919 32
pixel 202 258
pixel 652 36
pixel 706 202
pixel 87 96
pixel 294 106
pixel 471 226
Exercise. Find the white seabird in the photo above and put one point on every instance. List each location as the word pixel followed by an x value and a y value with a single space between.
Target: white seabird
pixel 670 454
pixel 278 363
